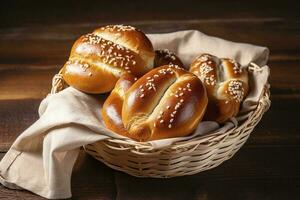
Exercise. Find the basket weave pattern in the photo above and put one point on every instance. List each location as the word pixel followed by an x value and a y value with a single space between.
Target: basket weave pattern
pixel 181 158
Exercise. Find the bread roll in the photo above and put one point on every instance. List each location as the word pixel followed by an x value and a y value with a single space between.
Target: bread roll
pixel 112 107
pixel 226 84
pixel 165 57
pixel 98 59
pixel 166 102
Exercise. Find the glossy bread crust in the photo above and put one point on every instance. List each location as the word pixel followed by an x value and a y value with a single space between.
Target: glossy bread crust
pixel 99 59
pixel 112 107
pixel 226 83
pixel 166 102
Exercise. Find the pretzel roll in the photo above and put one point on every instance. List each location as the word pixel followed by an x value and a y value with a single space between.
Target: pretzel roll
pixel 112 107
pixel 166 102
pixel 226 84
pixel 165 57
pixel 98 59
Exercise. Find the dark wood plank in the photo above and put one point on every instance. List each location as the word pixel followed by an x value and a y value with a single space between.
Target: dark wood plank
pixel 207 189
pixel 21 12
pixel 254 173
pixel 90 180
pixel 278 127
pixel 26 83
pixel 284 77
pixel 52 43
pixel 16 116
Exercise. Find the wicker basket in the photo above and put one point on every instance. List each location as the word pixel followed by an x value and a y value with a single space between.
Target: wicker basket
pixel 181 158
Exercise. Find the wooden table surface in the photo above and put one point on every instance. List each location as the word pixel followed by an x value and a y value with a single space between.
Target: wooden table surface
pixel 35 40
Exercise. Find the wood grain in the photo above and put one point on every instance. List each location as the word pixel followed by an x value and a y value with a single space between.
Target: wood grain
pixel 52 43
pixel 37 83
pixel 252 173
pixel 30 12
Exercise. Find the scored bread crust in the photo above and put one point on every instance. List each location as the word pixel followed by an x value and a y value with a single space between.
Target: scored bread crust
pixel 100 58
pixel 226 83
pixel 166 102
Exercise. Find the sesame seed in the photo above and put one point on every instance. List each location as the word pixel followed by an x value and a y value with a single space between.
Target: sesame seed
pixel 170 126
pixel 171 120
pixel 90 74
pixel 168 107
pixel 142 95
pixel 236 90
pixel 161 121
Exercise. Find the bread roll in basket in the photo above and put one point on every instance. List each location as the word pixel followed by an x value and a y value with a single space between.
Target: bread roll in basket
pixel 185 157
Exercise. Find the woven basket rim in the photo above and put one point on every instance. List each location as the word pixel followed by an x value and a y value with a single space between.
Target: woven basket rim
pixel 58 84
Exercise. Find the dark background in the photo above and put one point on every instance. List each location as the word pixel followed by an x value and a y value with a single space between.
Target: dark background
pixel 35 40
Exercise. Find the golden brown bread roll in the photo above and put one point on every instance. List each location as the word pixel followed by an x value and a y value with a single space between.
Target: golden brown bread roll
pixel 226 84
pixel 166 102
pixel 165 57
pixel 98 59
pixel 112 107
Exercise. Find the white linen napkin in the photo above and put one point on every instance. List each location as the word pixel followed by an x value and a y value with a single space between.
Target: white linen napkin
pixel 42 157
